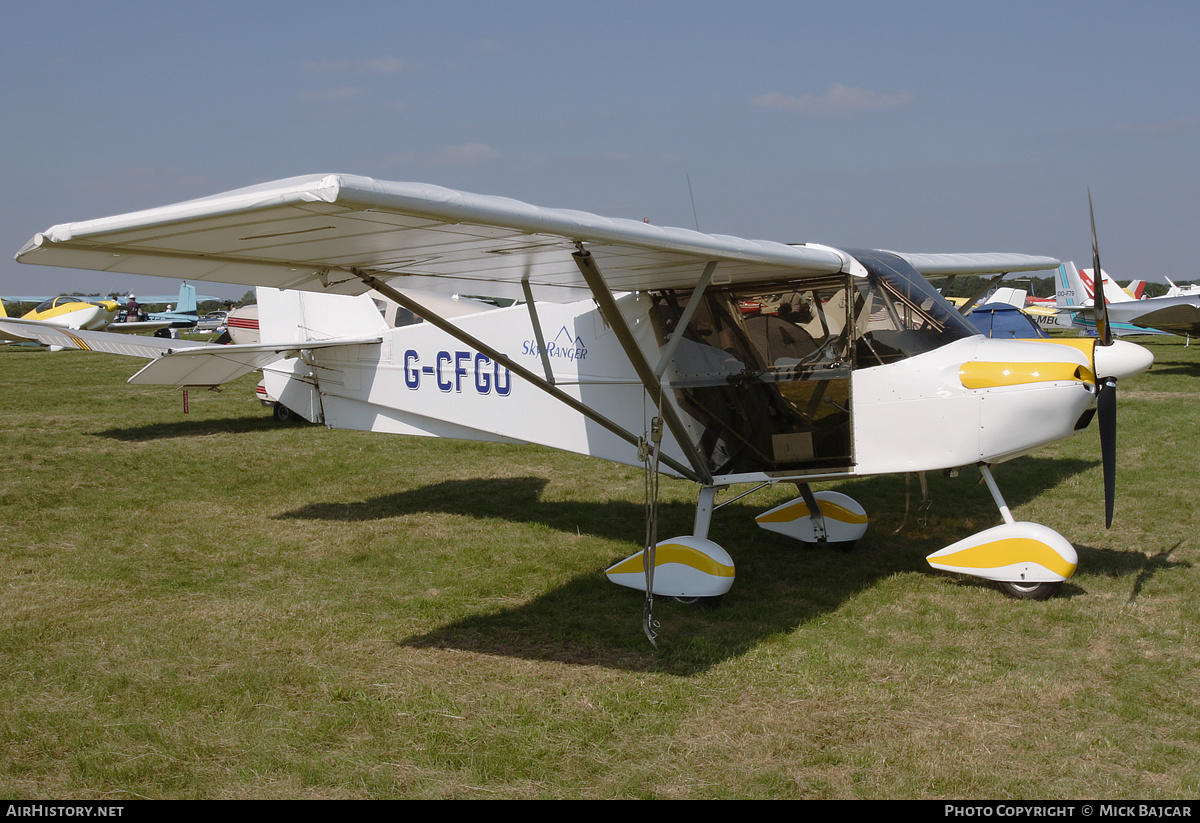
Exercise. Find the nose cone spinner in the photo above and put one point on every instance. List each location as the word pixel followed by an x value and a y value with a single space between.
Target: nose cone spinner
pixel 1121 359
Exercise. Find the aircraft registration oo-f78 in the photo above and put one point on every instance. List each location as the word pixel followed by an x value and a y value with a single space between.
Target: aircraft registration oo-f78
pixel 713 358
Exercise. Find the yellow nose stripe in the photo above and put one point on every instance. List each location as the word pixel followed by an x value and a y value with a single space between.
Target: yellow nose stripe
pixel 982 375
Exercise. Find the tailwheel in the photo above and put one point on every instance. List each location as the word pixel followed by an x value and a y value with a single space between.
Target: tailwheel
pixel 1029 591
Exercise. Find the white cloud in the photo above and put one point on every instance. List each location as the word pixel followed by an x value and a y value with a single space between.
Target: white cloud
pixel 384 65
pixel 465 155
pixel 1164 128
pixel 839 98
pixel 332 95
pixel 374 65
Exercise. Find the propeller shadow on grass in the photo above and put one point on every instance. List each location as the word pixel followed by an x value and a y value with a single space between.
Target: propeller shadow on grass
pixel 781 584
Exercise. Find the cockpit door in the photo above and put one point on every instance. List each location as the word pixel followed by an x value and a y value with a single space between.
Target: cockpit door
pixel 763 376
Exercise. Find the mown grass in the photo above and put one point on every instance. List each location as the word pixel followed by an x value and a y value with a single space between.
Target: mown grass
pixel 212 605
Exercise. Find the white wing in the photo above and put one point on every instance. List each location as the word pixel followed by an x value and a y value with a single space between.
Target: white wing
pixel 308 233
pixel 935 265
pixel 313 233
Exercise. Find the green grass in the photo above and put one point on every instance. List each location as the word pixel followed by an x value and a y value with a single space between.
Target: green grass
pixel 212 605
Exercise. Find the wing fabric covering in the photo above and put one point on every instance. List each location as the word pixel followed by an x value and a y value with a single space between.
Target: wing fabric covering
pixel 939 265
pixel 310 232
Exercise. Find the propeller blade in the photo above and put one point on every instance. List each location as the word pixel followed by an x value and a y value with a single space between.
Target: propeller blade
pixel 1106 419
pixel 1099 310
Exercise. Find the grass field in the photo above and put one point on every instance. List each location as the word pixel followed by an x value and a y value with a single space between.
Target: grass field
pixel 212 605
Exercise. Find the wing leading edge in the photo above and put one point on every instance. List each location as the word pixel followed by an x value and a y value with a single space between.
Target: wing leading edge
pixel 318 233
pixel 310 233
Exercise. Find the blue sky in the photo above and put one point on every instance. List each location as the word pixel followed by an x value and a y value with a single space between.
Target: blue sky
pixel 917 126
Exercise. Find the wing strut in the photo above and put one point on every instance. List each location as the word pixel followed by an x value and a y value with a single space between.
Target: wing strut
pixel 516 368
pixel 537 331
pixel 688 310
pixel 980 292
pixel 612 313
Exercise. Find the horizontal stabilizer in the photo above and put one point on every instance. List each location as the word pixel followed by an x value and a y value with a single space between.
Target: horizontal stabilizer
pixel 108 342
pixel 214 365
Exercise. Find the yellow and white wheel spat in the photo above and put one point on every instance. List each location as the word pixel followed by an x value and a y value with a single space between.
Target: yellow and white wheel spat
pixel 845 520
pixel 1013 552
pixel 683 567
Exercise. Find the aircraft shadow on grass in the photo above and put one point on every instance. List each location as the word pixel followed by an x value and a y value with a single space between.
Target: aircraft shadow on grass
pixel 781 584
pixel 190 428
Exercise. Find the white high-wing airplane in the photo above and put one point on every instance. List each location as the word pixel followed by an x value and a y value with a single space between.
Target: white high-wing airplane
pixel 713 358
pixel 1173 314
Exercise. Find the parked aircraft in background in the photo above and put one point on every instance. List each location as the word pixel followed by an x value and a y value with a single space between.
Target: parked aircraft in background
pixel 110 313
pixel 1179 314
pixel 630 345
pixel 183 315
pixel 1042 316
pixel 68 312
pixel 1177 291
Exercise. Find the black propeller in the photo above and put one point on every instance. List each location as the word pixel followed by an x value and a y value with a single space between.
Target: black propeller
pixel 1106 387
pixel 1100 308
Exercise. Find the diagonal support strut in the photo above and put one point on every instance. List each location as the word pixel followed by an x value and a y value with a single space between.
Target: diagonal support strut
pixel 612 313
pixel 516 368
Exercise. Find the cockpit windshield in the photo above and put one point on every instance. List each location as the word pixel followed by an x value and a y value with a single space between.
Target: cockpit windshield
pixel 55 302
pixel 898 314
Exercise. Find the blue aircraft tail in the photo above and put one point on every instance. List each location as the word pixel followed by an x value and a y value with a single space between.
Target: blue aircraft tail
pixel 187 299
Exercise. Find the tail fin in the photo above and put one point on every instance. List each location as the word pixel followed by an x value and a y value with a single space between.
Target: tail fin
pixel 3 313
pixel 297 316
pixel 187 299
pixel 1071 292
pixel 1136 288
pixel 1113 293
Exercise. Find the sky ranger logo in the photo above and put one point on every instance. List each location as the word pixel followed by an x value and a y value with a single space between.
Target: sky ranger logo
pixel 563 346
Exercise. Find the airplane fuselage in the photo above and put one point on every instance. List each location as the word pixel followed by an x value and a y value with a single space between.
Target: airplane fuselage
pixel 856 374
pixel 75 313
